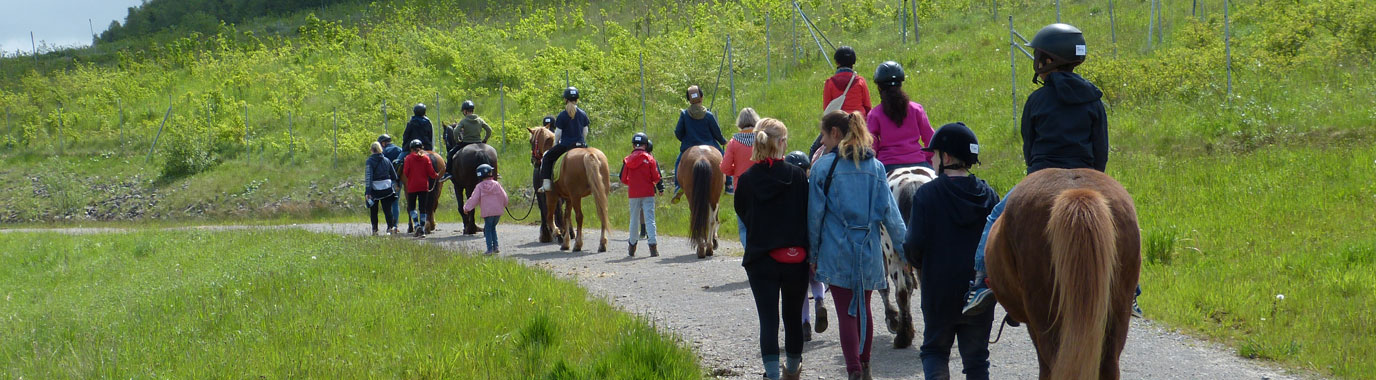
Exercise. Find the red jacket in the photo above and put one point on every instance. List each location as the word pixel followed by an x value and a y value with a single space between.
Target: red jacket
pixel 857 100
pixel 418 171
pixel 640 173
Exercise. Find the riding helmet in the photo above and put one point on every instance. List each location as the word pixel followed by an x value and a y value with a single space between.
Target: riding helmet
pixel 889 74
pixel 798 158
pixel 1065 44
pixel 844 56
pixel 468 105
pixel 547 121
pixel 571 93
pixel 957 140
pixel 415 144
pixel 484 171
pixel 419 110
pixel 385 138
pixel 640 139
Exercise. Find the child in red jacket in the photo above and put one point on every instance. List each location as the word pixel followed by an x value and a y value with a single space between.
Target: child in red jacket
pixel 418 171
pixel 640 173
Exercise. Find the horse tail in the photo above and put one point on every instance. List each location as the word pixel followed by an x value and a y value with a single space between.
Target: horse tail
pixel 701 204
pixel 592 167
pixel 1083 258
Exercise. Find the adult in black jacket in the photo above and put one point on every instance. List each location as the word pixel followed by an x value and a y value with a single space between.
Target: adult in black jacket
pixel 947 218
pixel 771 200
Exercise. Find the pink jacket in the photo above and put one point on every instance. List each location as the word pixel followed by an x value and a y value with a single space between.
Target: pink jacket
pixel 490 195
pixel 895 144
pixel 738 150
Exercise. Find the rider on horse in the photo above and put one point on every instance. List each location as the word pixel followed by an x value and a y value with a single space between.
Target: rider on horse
pixel 899 125
pixel 419 128
pixel 571 129
pixel 1063 126
pixel 472 128
pixel 696 126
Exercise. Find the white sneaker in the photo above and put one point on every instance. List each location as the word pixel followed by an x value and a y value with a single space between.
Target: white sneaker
pixel 545 187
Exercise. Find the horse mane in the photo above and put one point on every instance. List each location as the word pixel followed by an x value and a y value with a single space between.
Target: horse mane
pixel 1083 260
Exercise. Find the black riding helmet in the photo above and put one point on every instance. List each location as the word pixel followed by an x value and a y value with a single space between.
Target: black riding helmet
pixel 889 74
pixel 1064 44
pixel 640 139
pixel 415 144
pixel 419 110
pixel 956 140
pixel 385 138
pixel 571 93
pixel 547 120
pixel 844 57
pixel 484 171
pixel 798 158
pixel 468 106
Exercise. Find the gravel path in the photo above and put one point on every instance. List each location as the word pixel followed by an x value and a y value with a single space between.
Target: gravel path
pixel 708 304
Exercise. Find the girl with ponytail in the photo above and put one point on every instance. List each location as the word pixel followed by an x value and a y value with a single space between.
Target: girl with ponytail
pixel 848 202
pixel 899 125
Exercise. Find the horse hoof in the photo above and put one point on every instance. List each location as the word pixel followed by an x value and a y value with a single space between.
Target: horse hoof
pixel 563 248
pixel 601 249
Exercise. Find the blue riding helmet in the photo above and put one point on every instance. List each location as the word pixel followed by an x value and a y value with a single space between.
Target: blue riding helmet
pixel 484 171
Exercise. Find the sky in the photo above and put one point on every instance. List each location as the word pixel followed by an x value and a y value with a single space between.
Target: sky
pixel 56 22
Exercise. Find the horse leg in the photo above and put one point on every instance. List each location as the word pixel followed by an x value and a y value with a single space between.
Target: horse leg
pixel 578 216
pixel 906 332
pixel 890 312
pixel 545 235
pixel 715 224
pixel 565 231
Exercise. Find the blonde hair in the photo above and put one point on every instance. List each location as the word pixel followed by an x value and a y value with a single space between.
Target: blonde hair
pixel 856 139
pixel 747 118
pixel 376 147
pixel 769 140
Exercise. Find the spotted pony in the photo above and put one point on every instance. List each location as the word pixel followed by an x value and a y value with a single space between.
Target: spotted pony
pixel 903 280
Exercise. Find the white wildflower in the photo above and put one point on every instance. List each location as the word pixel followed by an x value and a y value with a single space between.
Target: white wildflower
pixel 1280 297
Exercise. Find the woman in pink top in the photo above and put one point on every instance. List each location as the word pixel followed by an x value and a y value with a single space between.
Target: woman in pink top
pixel 899 125
pixel 492 197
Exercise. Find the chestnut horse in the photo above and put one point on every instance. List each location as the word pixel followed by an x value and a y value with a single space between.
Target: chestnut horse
pixel 1064 258
pixel 700 174
pixel 584 172
pixel 463 168
pixel 433 197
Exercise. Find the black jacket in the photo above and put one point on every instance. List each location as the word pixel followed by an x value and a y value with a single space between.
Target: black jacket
pixel 419 128
pixel 944 228
pixel 1064 125
pixel 771 199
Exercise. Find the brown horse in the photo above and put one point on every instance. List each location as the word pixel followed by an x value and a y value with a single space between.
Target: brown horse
pixel 699 172
pixel 584 172
pixel 463 170
pixel 1064 258
pixel 433 197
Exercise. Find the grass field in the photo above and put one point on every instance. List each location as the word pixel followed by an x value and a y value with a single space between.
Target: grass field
pixel 1242 198
pixel 292 304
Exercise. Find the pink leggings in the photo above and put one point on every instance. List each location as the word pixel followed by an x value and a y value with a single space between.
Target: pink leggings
pixel 848 326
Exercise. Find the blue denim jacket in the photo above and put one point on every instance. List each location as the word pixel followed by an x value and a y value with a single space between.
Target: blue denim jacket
pixel 845 245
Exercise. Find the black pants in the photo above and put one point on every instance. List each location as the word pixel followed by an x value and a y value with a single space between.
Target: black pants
pixel 420 199
pixel 547 163
pixel 768 280
pixel 970 334
pixel 386 205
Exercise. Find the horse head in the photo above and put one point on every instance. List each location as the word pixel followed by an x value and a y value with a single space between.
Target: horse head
pixel 449 139
pixel 541 140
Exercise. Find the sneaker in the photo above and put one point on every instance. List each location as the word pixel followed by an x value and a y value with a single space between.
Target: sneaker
pixel 821 315
pixel 654 250
pixel 545 187
pixel 632 250
pixel 1136 310
pixel 978 301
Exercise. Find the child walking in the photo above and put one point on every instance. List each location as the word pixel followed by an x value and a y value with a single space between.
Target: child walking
pixel 418 172
pixel 640 173
pixel 492 197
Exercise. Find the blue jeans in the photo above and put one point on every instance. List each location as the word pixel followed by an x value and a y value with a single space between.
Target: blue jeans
pixel 984 237
pixel 490 232
pixel 642 209
pixel 971 336
pixel 740 225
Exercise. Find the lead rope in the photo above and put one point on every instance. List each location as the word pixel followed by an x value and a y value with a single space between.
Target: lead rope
pixel 1006 322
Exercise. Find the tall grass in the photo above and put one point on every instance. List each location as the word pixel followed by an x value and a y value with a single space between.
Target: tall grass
pixel 292 304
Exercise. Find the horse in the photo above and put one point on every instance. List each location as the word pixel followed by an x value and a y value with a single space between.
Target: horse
pixel 539 144
pixel 463 170
pixel 433 196
pixel 700 174
pixel 584 172
pixel 902 279
pixel 1064 258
